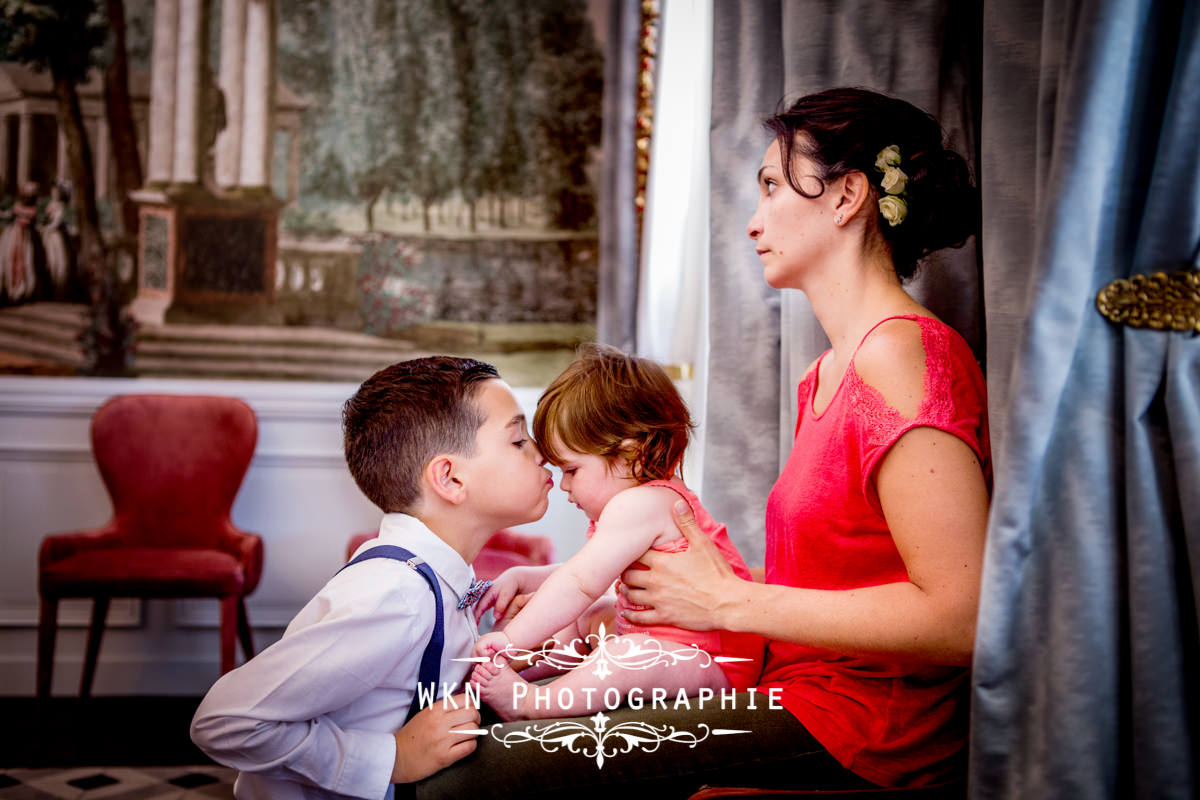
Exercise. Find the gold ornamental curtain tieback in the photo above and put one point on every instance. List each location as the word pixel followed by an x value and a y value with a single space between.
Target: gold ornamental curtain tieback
pixel 1159 301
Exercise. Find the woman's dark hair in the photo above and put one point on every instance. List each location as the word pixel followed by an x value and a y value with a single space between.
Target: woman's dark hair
pixel 843 130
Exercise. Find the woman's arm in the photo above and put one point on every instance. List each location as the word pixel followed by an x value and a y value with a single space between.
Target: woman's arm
pixel 627 528
pixel 935 501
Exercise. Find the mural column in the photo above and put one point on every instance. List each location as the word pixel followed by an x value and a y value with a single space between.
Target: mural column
pixel 162 93
pixel 188 70
pixel 24 148
pixel 258 130
pixel 233 58
pixel 294 166
pixel 4 145
pixel 102 155
pixel 62 170
pixel 209 221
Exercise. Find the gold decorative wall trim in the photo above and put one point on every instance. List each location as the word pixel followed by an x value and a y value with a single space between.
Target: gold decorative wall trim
pixel 647 56
pixel 1158 301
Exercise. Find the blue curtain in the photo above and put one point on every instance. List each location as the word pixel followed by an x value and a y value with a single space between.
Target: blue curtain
pixel 1087 667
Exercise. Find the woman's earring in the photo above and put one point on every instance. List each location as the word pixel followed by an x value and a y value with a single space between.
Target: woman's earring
pixel 838 219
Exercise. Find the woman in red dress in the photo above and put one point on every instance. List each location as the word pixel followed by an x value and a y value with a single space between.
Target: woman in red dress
pixel 875 528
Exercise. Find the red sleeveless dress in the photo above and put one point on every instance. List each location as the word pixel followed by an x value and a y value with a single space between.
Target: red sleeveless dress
pixel 891 722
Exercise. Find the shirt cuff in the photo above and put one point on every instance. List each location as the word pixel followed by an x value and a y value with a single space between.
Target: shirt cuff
pixel 370 758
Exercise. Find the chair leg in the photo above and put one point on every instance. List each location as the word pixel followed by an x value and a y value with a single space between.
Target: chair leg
pixel 95 634
pixel 47 631
pixel 244 630
pixel 229 613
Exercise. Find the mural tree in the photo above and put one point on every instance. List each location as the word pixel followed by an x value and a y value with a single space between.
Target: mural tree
pixel 566 76
pixel 62 36
pixel 502 149
pixel 68 38
pixel 367 133
pixel 431 161
pixel 119 110
pixel 439 99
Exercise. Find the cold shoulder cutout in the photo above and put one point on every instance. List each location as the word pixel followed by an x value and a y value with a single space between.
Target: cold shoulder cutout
pixel 891 361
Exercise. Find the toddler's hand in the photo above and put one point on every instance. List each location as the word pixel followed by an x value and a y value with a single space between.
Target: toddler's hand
pixel 433 739
pixel 491 643
pixel 515 606
pixel 499 594
pixel 508 585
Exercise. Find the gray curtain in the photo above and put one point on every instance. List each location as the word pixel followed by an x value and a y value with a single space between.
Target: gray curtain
pixel 617 283
pixel 1087 669
pixel 924 51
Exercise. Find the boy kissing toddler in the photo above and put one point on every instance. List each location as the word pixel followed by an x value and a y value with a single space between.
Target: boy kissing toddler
pixel 441 445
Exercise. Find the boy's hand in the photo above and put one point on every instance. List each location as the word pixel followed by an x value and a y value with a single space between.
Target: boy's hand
pixel 432 740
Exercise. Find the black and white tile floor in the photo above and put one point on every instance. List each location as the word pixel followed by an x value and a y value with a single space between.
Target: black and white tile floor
pixel 117 783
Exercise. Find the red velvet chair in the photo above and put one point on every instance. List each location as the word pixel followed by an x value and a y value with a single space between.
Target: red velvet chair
pixel 505 549
pixel 942 791
pixel 172 465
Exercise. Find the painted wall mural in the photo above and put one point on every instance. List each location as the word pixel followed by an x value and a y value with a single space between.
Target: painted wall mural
pixel 324 187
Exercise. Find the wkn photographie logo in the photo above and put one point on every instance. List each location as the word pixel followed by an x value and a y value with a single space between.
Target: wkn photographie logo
pixel 604 653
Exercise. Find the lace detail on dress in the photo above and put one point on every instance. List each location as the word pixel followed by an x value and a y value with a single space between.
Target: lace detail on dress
pixel 884 423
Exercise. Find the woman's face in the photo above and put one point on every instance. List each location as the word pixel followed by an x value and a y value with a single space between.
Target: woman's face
pixel 790 231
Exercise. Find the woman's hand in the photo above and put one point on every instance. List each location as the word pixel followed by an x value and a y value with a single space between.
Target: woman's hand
pixel 686 589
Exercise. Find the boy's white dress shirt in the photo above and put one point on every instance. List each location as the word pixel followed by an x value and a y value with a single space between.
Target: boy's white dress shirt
pixel 312 716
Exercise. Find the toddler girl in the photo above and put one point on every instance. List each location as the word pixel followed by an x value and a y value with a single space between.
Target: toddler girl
pixel 617 428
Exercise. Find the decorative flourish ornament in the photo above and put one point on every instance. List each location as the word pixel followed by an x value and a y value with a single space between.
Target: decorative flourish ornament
pixel 644 115
pixel 605 651
pixel 608 651
pixel 600 741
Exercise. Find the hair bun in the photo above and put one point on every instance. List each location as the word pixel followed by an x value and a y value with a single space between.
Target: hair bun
pixel 943 208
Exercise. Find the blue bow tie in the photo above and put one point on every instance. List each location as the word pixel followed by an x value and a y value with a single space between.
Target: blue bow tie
pixel 474 592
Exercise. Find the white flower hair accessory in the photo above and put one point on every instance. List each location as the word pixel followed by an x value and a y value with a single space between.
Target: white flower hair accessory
pixel 892 205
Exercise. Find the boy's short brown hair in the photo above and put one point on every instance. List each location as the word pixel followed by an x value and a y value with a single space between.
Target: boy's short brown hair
pixel 606 399
pixel 403 416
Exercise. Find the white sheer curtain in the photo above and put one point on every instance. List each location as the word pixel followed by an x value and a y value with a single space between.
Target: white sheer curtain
pixel 672 314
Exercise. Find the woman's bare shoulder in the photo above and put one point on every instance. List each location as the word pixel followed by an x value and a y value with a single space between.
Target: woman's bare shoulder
pixel 892 361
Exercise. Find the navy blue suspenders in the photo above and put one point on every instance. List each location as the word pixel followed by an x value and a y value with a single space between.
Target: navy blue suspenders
pixel 431 659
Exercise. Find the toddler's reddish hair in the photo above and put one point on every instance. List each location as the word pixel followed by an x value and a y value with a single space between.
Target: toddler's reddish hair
pixel 612 404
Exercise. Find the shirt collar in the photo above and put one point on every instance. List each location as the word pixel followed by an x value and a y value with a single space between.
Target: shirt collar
pixel 412 534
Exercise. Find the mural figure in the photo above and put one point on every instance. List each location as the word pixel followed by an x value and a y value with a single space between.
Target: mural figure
pixel 56 243
pixel 22 257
